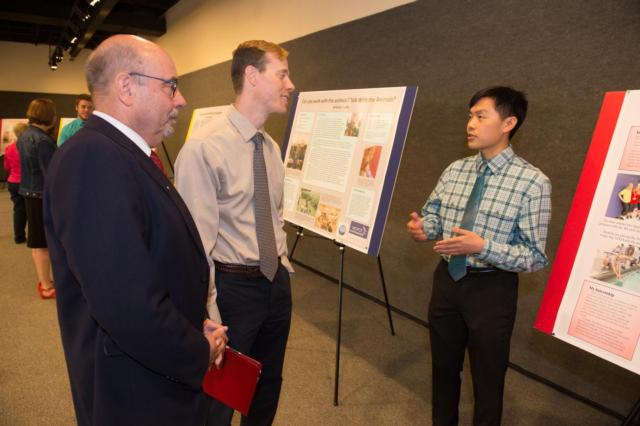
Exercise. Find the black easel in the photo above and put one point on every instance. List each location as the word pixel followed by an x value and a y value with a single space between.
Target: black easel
pixel 341 249
pixel 633 418
pixel 336 377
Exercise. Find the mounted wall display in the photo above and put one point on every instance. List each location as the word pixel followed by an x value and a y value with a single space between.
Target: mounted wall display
pixel 6 131
pixel 203 116
pixel 592 299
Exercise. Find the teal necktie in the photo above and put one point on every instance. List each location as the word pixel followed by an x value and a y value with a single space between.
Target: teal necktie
pixel 458 264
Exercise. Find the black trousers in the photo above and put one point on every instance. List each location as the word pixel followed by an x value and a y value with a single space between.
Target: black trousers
pixel 19 213
pixel 478 313
pixel 258 314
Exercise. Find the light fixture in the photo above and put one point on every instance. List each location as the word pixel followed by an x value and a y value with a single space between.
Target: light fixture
pixel 82 13
pixel 55 58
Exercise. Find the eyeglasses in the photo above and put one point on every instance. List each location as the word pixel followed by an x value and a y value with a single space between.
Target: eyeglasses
pixel 172 82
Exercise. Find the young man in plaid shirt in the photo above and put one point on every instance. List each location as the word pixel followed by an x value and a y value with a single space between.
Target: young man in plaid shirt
pixel 491 211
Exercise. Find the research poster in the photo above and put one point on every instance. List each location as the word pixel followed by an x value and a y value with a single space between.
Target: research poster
pixel 203 116
pixel 6 130
pixel 592 299
pixel 341 152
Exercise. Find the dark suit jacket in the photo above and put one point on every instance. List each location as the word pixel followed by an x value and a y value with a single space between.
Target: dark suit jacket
pixel 131 279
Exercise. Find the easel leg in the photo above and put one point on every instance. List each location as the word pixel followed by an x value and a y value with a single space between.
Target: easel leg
pixel 299 233
pixel 337 374
pixel 386 298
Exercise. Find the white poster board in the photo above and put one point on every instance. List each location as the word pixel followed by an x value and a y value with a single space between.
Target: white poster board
pixel 203 116
pixel 6 130
pixel 341 153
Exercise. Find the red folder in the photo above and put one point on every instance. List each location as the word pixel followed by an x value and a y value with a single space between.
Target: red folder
pixel 235 382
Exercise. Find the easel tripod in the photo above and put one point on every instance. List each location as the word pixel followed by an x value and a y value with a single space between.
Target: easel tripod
pixel 341 249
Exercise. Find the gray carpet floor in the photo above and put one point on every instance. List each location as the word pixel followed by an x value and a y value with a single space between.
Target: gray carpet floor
pixel 384 380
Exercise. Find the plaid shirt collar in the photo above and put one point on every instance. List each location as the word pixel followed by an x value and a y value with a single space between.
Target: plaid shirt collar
pixel 497 163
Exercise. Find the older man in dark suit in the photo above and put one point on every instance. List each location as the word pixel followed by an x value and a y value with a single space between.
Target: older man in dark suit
pixel 129 266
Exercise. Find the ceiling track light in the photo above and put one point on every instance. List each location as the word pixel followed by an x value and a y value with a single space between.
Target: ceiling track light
pixel 73 37
pixel 53 64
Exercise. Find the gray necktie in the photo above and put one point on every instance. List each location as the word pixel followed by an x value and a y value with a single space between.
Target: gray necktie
pixel 262 205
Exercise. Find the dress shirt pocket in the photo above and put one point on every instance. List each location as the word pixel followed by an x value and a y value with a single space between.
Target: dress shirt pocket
pixel 501 216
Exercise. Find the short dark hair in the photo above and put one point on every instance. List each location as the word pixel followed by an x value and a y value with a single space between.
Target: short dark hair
pixel 253 53
pixel 83 97
pixel 508 101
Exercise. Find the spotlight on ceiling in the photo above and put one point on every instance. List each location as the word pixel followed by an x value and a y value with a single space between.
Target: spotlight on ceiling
pixel 55 58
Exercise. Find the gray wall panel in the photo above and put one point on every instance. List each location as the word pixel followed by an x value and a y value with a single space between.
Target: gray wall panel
pixel 565 55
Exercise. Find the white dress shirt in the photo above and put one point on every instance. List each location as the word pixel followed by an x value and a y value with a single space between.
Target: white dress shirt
pixel 128 131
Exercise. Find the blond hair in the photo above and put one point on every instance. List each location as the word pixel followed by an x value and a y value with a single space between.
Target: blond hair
pixel 19 128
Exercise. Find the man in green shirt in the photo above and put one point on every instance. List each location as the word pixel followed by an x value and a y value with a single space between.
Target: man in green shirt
pixel 84 108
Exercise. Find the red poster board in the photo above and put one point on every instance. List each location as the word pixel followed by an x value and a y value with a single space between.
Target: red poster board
pixel 592 298
pixel 580 207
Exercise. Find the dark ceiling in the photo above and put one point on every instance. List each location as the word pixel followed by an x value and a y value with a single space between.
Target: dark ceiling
pixel 73 25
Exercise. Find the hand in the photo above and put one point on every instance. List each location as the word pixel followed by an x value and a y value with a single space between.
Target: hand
pixel 216 334
pixel 466 242
pixel 415 228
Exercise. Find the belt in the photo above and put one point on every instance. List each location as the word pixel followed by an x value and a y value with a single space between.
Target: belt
pixel 474 270
pixel 477 270
pixel 252 271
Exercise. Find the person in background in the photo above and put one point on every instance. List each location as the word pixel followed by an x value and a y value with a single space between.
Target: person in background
pixel 131 275
pixel 84 108
pixel 12 166
pixel 231 177
pixel 36 147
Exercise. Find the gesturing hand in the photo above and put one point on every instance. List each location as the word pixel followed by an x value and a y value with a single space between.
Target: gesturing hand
pixel 466 242
pixel 415 229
